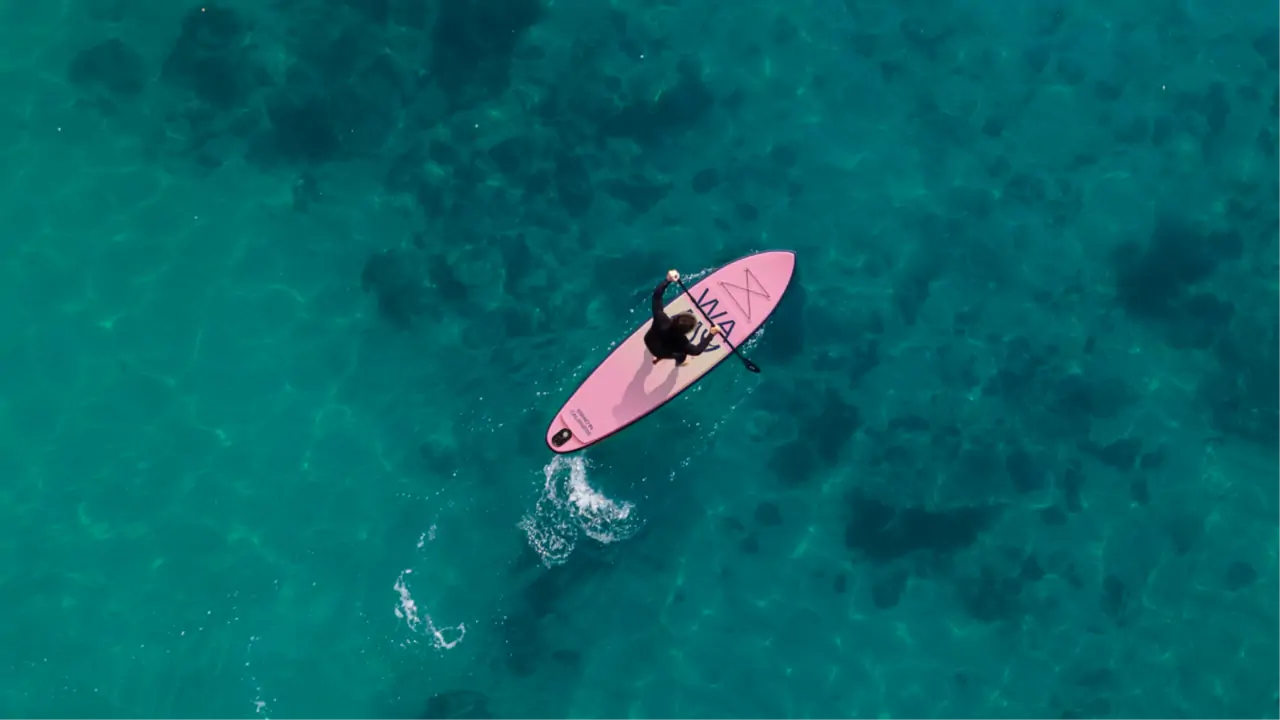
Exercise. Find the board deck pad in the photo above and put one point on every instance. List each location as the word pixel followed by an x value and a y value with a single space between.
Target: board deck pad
pixel 627 386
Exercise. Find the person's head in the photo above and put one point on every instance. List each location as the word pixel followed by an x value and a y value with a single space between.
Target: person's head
pixel 684 323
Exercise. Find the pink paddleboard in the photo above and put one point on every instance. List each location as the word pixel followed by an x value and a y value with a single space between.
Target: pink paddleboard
pixel 738 297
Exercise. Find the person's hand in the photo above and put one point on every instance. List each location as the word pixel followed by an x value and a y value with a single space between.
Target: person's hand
pixel 715 330
pixel 673 276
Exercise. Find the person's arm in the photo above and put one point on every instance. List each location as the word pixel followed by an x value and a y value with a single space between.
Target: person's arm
pixel 660 317
pixel 691 349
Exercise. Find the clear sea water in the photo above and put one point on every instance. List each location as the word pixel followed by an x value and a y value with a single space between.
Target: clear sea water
pixel 292 290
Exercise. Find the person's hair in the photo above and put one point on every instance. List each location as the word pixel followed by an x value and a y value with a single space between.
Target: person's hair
pixel 684 323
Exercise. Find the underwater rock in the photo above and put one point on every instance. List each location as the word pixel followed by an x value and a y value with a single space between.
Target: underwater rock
pixel 473 43
pixel 1240 575
pixel 209 58
pixel 573 184
pixel 881 532
pixel 1153 280
pixel 675 111
pixel 457 704
pixel 767 514
pixel 112 65
pixel 886 591
pixel 398 286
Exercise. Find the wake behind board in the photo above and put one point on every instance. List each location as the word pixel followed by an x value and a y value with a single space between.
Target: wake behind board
pixel 627 386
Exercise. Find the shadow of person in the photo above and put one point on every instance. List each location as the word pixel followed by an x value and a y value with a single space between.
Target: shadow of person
pixel 635 400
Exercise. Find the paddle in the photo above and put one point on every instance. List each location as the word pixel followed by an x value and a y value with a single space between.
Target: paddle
pixel 745 361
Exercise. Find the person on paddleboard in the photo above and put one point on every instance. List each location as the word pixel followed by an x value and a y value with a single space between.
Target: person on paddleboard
pixel 668 337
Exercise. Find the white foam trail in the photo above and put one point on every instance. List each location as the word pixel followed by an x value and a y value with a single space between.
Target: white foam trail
pixel 441 638
pixel 570 507
pixel 259 703
pixel 602 519
pixel 428 536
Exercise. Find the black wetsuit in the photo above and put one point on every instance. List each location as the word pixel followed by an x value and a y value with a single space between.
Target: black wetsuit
pixel 664 341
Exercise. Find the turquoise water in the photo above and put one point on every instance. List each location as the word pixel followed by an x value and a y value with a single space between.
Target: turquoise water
pixel 293 290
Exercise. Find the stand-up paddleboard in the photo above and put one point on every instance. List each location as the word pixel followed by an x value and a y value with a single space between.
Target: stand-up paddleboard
pixel 627 386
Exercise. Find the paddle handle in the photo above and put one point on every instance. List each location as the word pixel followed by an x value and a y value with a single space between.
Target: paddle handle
pixel 747 363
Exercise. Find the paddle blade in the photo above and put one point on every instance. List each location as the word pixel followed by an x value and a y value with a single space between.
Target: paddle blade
pixel 750 365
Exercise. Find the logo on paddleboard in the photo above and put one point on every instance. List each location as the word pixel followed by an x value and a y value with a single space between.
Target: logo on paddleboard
pixel 740 295
pixel 581 418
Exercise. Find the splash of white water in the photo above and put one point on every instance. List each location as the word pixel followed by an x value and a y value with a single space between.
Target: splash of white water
pixel 570 507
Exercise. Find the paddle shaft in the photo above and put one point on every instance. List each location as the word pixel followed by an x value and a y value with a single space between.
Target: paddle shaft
pixel 747 363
